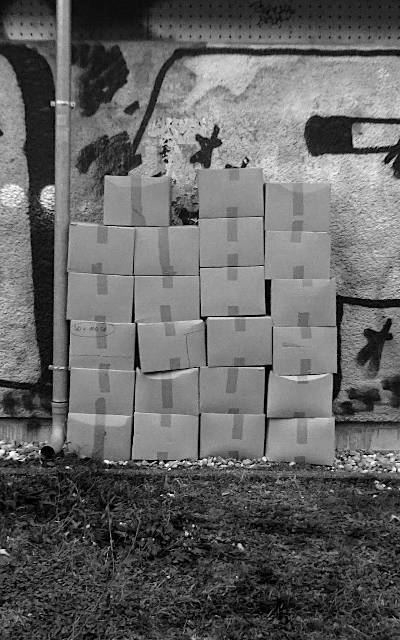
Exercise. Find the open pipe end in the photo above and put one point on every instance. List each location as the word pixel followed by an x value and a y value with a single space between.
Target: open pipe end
pixel 47 452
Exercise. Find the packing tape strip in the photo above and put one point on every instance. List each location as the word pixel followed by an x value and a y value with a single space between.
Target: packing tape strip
pixel 305 366
pixel 232 229
pixel 101 336
pixel 303 319
pixel 170 329
pixel 232 380
pixel 167 282
pixel 99 433
pixel 96 267
pixel 234 174
pixel 232 212
pixel 299 414
pixel 237 428
pixel 232 273
pixel 305 333
pixel 163 251
pixel 167 398
pixel 239 324
pixel 297 225
pixel 100 407
pixel 102 234
pixel 298 199
pixel 300 459
pixel 239 361
pixel 233 260
pixel 301 431
pixel 104 378
pixel 137 187
pixel 295 236
pixel 174 363
pixel 102 285
pixel 165 420
pixel 162 455
pixel 233 310
pixel 307 282
pixel 233 454
pixel 298 272
pixel 165 313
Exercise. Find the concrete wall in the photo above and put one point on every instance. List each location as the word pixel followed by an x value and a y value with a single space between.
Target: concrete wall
pixel 158 108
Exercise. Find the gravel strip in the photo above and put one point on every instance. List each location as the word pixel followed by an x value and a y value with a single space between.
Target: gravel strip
pixel 345 461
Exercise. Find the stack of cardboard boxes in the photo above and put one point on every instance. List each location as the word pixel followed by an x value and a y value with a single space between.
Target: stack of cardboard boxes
pixel 100 307
pixel 232 386
pixel 303 310
pixel 171 341
pixel 102 340
pixel 145 299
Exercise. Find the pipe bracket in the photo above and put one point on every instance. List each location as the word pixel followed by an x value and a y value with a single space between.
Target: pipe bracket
pixel 63 103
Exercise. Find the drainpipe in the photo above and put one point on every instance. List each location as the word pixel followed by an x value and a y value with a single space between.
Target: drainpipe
pixel 62 106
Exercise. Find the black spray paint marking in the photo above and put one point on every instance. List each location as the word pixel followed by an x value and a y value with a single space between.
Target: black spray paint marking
pixel 368 396
pixel 26 398
pixel 371 354
pixel 334 135
pixel 353 302
pixel 394 154
pixel 244 164
pixel 392 384
pixel 131 108
pixel 111 156
pixel 207 146
pixel 104 72
pixel 36 83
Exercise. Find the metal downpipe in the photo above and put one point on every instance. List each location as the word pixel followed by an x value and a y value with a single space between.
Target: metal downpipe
pixel 62 106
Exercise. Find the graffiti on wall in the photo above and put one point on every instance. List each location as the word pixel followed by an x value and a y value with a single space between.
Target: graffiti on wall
pixel 157 110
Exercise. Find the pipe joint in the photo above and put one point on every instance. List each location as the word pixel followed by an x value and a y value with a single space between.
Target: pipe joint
pixel 63 103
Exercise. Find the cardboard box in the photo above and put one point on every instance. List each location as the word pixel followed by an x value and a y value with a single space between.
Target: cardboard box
pixel 95 248
pixel 165 436
pixel 239 342
pixel 297 206
pixel 231 242
pixel 301 440
pixel 102 391
pixel 91 296
pixel 166 346
pixel 299 396
pixel 168 392
pixel 93 345
pixel 304 350
pixel 297 254
pixel 170 251
pixel 105 437
pixel 232 291
pixel 232 436
pixel 167 298
pixel 137 201
pixel 303 303
pixel 230 193
pixel 232 389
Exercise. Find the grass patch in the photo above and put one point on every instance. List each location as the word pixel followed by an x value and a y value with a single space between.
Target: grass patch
pixel 210 556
